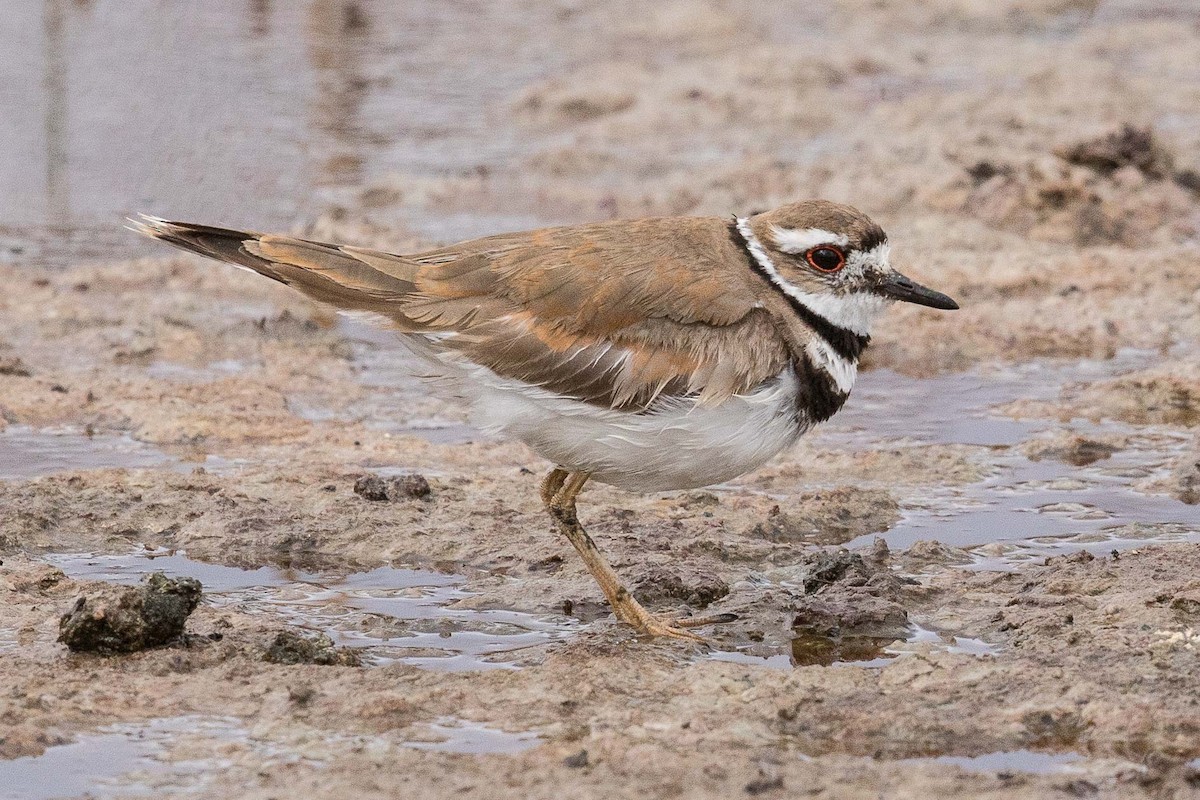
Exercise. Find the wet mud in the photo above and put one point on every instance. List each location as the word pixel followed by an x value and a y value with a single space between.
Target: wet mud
pixel 976 580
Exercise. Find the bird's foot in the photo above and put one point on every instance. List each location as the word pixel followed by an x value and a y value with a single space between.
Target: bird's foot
pixel 633 613
pixel 656 626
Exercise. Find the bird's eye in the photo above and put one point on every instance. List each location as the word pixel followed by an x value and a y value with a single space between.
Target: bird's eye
pixel 826 259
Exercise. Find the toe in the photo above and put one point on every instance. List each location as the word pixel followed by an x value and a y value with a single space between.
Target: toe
pixel 658 628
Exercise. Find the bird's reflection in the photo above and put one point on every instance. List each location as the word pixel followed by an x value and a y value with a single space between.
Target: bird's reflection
pixel 58 187
pixel 338 34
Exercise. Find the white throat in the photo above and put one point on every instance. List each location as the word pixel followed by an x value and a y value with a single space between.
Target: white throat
pixel 855 312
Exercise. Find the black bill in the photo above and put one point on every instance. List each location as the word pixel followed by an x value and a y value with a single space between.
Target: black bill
pixel 898 287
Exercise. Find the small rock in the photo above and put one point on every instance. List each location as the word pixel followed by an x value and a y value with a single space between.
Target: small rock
pixel 408 486
pixel 290 647
pixel 121 619
pixel 40 578
pixel 395 489
pixel 985 170
pixel 1187 604
pixel 846 595
pixel 827 567
pixel 699 500
pixel 857 614
pixel 577 761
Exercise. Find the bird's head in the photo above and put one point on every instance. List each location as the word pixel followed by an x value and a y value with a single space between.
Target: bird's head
pixel 833 259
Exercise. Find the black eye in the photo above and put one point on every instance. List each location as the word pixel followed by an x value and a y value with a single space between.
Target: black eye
pixel 826 259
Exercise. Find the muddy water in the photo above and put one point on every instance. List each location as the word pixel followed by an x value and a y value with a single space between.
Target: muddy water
pixel 28 453
pixel 389 370
pixel 1031 762
pixel 255 113
pixel 450 735
pixel 119 761
pixel 394 615
pixel 159 757
pixel 1025 508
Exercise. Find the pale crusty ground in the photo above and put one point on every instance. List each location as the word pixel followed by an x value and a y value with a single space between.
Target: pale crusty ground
pixel 1049 260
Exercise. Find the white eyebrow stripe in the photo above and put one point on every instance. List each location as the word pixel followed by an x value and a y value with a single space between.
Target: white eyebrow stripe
pixel 855 312
pixel 790 240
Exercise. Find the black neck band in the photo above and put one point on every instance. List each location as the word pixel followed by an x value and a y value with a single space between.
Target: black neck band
pixel 846 343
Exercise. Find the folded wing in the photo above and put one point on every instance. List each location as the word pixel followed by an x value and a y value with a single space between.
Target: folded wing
pixel 579 311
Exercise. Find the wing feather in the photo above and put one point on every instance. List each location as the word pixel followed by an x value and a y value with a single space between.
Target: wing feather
pixel 615 314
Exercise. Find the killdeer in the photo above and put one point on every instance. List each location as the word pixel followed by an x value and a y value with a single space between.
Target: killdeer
pixel 649 354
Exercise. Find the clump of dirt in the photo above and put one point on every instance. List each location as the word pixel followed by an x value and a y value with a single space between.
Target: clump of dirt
pixel 394 489
pixel 14 367
pixel 121 619
pixel 833 604
pixel 1072 449
pixel 1119 188
pixel 847 594
pixel 1129 146
pixel 927 553
pixel 1154 397
pixel 1163 395
pixel 662 585
pixel 824 568
pixel 575 103
pixel 290 647
pixel 41 578
pixel 829 517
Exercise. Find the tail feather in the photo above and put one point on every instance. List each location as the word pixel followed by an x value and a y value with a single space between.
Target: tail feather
pixel 350 278
pixel 222 244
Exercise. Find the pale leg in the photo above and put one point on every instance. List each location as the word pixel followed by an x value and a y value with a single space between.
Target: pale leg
pixel 559 491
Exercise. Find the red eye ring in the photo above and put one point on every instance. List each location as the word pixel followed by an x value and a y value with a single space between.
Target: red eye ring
pixel 825 258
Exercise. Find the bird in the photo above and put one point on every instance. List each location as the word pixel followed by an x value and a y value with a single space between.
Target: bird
pixel 651 354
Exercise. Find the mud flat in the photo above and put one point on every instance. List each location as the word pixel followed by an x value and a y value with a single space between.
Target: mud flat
pixel 978 580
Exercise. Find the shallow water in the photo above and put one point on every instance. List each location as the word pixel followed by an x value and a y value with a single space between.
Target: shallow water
pixel 27 453
pixel 389 371
pixel 1030 508
pixel 138 759
pixel 859 651
pixel 1026 508
pixel 1029 761
pixel 408 616
pixel 1033 762
pixel 30 453
pixel 118 760
pixel 451 735
pixel 254 113
pixel 394 615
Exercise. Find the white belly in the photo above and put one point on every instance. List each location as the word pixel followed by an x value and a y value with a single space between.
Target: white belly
pixel 679 446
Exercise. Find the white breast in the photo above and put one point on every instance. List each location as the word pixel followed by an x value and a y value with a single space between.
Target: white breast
pixel 678 446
